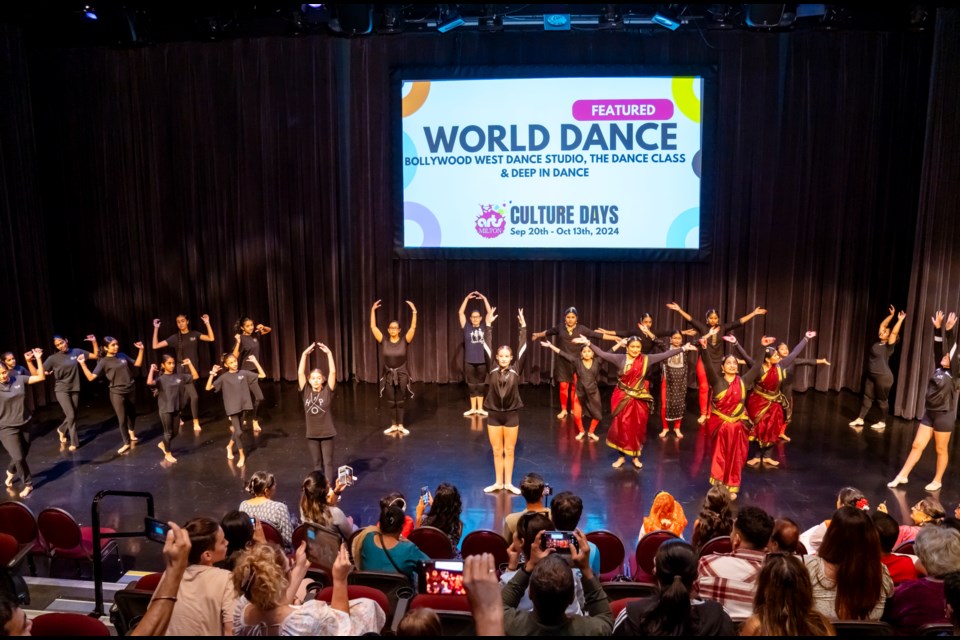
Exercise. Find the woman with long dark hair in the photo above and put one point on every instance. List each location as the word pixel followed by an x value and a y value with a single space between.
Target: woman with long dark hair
pixel 15 416
pixel 783 604
pixel 247 337
pixel 474 356
pixel 879 379
pixel 812 538
pixel 318 504
pixel 715 518
pixel 240 390
pixel 118 368
pixel 395 381
pixel 62 365
pixel 317 397
pixel 674 611
pixel 185 345
pixel 849 580
pixel 171 390
pixel 445 510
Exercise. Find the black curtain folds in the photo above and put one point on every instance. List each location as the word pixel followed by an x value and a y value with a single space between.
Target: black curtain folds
pixel 253 177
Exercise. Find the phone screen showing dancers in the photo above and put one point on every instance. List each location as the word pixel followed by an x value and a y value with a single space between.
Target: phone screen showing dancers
pixel 156 529
pixel 425 495
pixel 345 475
pixel 441 577
pixel 560 541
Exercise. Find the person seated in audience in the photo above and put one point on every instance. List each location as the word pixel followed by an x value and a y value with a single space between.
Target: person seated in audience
pixel 420 622
pixel 848 497
pixel 445 510
pixel 531 489
pixel 384 550
pixel 13 619
pixel 267 604
pixel 951 592
pixel 666 514
pixel 928 511
pixel 397 499
pixel 566 511
pixel 785 536
pixel 922 601
pixel 262 487
pixel 716 517
pixel 318 505
pixel 784 602
pixel 240 533
pixel 849 580
pixel 731 578
pixel 901 568
pixel 205 599
pixel 674 611
pixel 550 582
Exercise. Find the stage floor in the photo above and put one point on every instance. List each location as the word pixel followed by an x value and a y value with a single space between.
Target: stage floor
pixel 824 456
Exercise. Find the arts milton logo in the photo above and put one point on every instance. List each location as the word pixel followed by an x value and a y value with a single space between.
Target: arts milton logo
pixel 491 222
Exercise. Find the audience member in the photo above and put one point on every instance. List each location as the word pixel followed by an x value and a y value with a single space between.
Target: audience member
pixel 531 488
pixel 397 499
pixel 849 580
pixel 13 619
pixel 318 505
pixel 565 512
pixel 951 592
pixel 483 592
pixel 928 511
pixel 901 568
pixel 785 536
pixel 420 622
pixel 848 497
pixel 715 518
pixel 263 486
pixel 922 601
pixel 784 602
pixel 731 578
pixel 445 510
pixel 176 556
pixel 673 611
pixel 241 531
pixel 384 550
pixel 666 514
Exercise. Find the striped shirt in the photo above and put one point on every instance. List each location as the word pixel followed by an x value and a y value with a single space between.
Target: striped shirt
pixel 731 580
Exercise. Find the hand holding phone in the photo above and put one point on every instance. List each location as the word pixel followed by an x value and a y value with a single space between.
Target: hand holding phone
pixel 560 541
pixel 425 495
pixel 156 530
pixel 345 476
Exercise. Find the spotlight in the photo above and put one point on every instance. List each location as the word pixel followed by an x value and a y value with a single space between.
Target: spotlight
pixel 390 20
pixel 667 16
pixel 90 13
pixel 449 19
pixel 556 22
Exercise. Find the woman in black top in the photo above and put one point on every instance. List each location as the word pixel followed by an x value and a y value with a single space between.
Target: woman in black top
pixel 395 382
pixel 941 405
pixel 474 356
pixel 503 403
pixel 714 350
pixel 15 417
pixel 62 365
pixel 184 344
pixel 247 336
pixel 587 368
pixel 317 397
pixel 118 369
pixel 564 373
pixel 240 393
pixel 786 387
pixel 171 392
pixel 879 376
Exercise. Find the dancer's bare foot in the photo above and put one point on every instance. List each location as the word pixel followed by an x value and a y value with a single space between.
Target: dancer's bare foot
pixel 753 462
pixel 770 462
pixel 256 428
pixel 581 435
pixel 562 415
pixel 27 490
pixel 593 436
pixel 637 463
pixel 133 436
pixel 122 450
pixel 663 434
pixel 242 461
pixel 196 425
pixel 677 433
pixel 619 462
pixel 230 451
pixel 9 481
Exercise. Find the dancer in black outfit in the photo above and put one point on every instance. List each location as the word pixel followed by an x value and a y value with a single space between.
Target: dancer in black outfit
pixel 247 336
pixel 317 397
pixel 117 368
pixel 714 350
pixel 587 368
pixel 62 365
pixel 395 382
pixel 564 373
pixel 171 394
pixel 503 403
pixel 185 346
pixel 15 418
pixel 240 393
pixel 879 380
pixel 786 387
pixel 474 357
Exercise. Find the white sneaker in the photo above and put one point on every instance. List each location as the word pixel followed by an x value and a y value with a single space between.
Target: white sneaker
pixel 471 412
pixel 933 486
pixel 403 430
pixel 392 429
pixel 856 423
pixel 492 488
pixel 879 426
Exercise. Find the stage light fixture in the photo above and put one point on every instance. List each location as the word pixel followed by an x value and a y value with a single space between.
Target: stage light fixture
pixel 90 13
pixel 556 22
pixel 390 20
pixel 667 16
pixel 449 19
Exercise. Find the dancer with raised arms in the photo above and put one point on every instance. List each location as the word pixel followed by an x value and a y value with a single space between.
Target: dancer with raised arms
pixel 876 388
pixel 395 381
pixel 317 393
pixel 503 402
pixel 247 343
pixel 474 356
pixel 171 387
pixel 118 368
pixel 62 365
pixel 714 350
pixel 15 416
pixel 240 392
pixel 185 345
pixel 588 391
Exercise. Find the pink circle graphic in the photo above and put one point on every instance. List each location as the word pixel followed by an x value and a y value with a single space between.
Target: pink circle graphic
pixel 491 222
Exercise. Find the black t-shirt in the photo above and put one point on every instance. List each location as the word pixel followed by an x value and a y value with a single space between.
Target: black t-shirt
pixel 237 389
pixel 473 352
pixel 879 362
pixel 249 346
pixel 63 365
pixel 170 387
pixel 707 618
pixel 118 370
pixel 185 345
pixel 316 407
pixel 13 406
pixel 393 354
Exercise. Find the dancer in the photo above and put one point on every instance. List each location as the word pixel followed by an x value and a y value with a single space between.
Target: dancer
pixel 395 381
pixel 240 394
pixel 564 373
pixel 879 376
pixel 631 400
pixel 117 368
pixel 786 387
pixel 62 365
pixel 728 421
pixel 673 389
pixel 474 357
pixel 185 344
pixel 247 336
pixel 317 398
pixel 940 415
pixel 9 361
pixel 171 390
pixel 714 343
pixel 587 370
pixel 503 403
pixel 15 418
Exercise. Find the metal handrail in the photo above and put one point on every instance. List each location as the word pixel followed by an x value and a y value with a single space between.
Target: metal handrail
pixel 97 536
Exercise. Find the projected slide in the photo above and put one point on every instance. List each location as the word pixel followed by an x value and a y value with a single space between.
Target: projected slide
pixel 552 163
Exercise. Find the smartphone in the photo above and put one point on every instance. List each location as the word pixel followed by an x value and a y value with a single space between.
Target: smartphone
pixel 441 577
pixel 323 545
pixel 561 541
pixel 345 476
pixel 425 495
pixel 253 521
pixel 546 490
pixel 156 529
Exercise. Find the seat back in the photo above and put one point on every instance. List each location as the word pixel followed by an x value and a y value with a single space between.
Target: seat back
pixel 394 585
pixel 129 607
pixel 619 605
pixel 940 629
pixel 433 542
pixel 906 548
pixel 623 590
pixel 439 602
pixel 149 582
pixel 68 624
pixel 359 591
pixel 862 628
pixel 486 541
pixel 59 529
pixel 9 548
pixel 611 550
pixel 720 544
pixel 271 534
pixel 17 520
pixel 648 546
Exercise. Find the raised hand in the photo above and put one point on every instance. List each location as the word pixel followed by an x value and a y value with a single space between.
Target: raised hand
pixel 645 330
pixel 767 340
pixel 823 361
pixel 548 344
pixel 323 347
pixel 186 362
pixel 730 339
pixel 37 353
pixel 300 557
pixel 138 344
pixel 216 369
pixel 689 347
pixel 892 309
pixel 413 307
pixel 342 565
pixel 205 319
pixel 901 316
pixel 156 323
pixel 491 315
pixel 90 338
pixel 376 305
pixel 937 319
pixel 689 332
pixel 520 318
pixel 578 340
pixel 81 358
pixel 810 335
pixel 154 368
pixel 310 349
pixel 759 311
pixel 673 306
pixel 713 331
pixel 236 337
pixel 951 321
pixel 258 328
pixel 28 355
pixel 251 358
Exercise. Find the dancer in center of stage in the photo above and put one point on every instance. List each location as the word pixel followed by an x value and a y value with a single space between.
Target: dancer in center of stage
pixel 395 382
pixel 185 343
pixel 503 402
pixel 474 357
pixel 715 343
pixel 728 420
pixel 317 398
pixel 940 415
pixel 673 389
pixel 240 392
pixel 631 400
pixel 247 336
pixel 62 365
pixel 15 418
pixel 588 391
pixel 879 380
pixel 118 369
pixel 564 372
pixel 171 391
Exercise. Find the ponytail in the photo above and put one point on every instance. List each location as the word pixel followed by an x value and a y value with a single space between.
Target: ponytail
pixel 676 570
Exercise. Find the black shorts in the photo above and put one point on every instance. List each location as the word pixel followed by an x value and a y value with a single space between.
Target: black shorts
pixel 941 421
pixel 503 419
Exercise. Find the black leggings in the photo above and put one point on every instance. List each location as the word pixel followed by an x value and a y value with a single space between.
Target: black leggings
pixel 126 413
pixel 876 389
pixel 256 402
pixel 69 402
pixel 171 427
pixel 16 440
pixel 761 451
pixel 236 421
pixel 396 396
pixel 476 376
pixel 321 450
pixel 190 391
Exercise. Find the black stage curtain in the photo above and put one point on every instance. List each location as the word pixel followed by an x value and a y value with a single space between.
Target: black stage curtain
pixel 253 176
pixel 935 274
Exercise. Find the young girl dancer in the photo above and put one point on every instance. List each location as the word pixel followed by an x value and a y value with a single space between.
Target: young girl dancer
pixel 786 387
pixel 15 418
pixel 62 365
pixel 171 392
pixel 118 369
pixel 474 356
pixel 317 396
pixel 566 332
pixel 673 388
pixel 395 381
pixel 503 403
pixel 587 370
pixel 879 380
pixel 185 344
pixel 247 337
pixel 714 351
pixel 240 392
